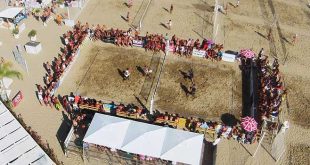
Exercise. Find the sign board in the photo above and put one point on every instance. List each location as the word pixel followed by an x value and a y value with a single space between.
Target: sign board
pixel 17 98
pixel 137 43
pixel 109 39
pixel 20 60
pixel 171 48
pixel 33 47
pixel 22 27
pixel 228 57
pixel 69 22
pixel 199 53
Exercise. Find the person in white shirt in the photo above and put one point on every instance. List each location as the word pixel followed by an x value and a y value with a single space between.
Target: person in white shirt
pixel 238 1
pixel 169 24
pixel 126 74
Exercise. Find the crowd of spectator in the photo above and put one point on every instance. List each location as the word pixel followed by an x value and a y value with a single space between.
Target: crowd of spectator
pixel 271 88
pixel 131 111
pixel 155 42
pixel 55 69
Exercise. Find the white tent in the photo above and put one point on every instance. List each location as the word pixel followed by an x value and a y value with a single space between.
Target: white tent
pixel 10 12
pixel 16 145
pixel 145 139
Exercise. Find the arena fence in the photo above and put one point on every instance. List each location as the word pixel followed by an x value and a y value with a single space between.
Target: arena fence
pixel 149 80
pixel 138 19
pixel 215 20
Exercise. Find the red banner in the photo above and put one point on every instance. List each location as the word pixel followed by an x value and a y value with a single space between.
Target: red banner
pixel 17 99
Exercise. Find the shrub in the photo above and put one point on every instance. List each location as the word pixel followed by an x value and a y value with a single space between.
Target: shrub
pixel 15 31
pixel 32 33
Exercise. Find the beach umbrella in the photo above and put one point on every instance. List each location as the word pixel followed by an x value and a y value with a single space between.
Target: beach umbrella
pixel 247 53
pixel 229 119
pixel 249 124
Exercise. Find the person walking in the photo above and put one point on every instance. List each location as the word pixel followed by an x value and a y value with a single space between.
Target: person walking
pixel 130 3
pixel 40 96
pixel 261 52
pixel 59 19
pixel 56 103
pixel 171 9
pixel 169 24
pixel 269 34
pixel 294 39
pixel 127 17
pixel 237 4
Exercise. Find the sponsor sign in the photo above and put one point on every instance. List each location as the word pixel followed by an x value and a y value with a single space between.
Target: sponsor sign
pixel 69 22
pixel 199 53
pixel 17 98
pixel 228 57
pixel 109 39
pixel 137 43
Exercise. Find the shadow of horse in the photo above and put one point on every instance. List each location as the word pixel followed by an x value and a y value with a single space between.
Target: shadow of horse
pixel 166 9
pixel 184 74
pixel 184 88
pixel 121 73
pixel 260 34
pixel 140 69
pixel 125 19
pixel 164 25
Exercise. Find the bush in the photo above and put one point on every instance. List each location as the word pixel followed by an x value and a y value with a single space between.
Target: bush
pixel 32 33
pixel 37 11
pixel 15 31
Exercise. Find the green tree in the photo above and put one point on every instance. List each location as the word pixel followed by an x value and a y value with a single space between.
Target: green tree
pixel 7 71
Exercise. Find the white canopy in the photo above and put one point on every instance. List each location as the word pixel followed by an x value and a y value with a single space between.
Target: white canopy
pixel 10 12
pixel 145 139
pixel 16 145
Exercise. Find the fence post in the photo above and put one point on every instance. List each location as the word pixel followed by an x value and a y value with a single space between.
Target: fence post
pixel 259 145
pixel 140 25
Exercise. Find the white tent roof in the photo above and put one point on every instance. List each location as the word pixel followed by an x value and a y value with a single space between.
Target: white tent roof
pixel 10 12
pixel 145 139
pixel 16 145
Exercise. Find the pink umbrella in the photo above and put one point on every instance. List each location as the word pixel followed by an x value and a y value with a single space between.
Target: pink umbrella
pixel 249 124
pixel 247 53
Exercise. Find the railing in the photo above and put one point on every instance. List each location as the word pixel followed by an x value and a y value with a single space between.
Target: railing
pixel 68 138
pixel 137 21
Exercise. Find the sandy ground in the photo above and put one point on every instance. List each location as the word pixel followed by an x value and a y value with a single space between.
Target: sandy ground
pixel 247 27
pixel 217 85
pixel 100 74
pixel 236 30
pixel 99 77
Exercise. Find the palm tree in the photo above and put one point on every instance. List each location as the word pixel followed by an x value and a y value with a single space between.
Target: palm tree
pixel 7 71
